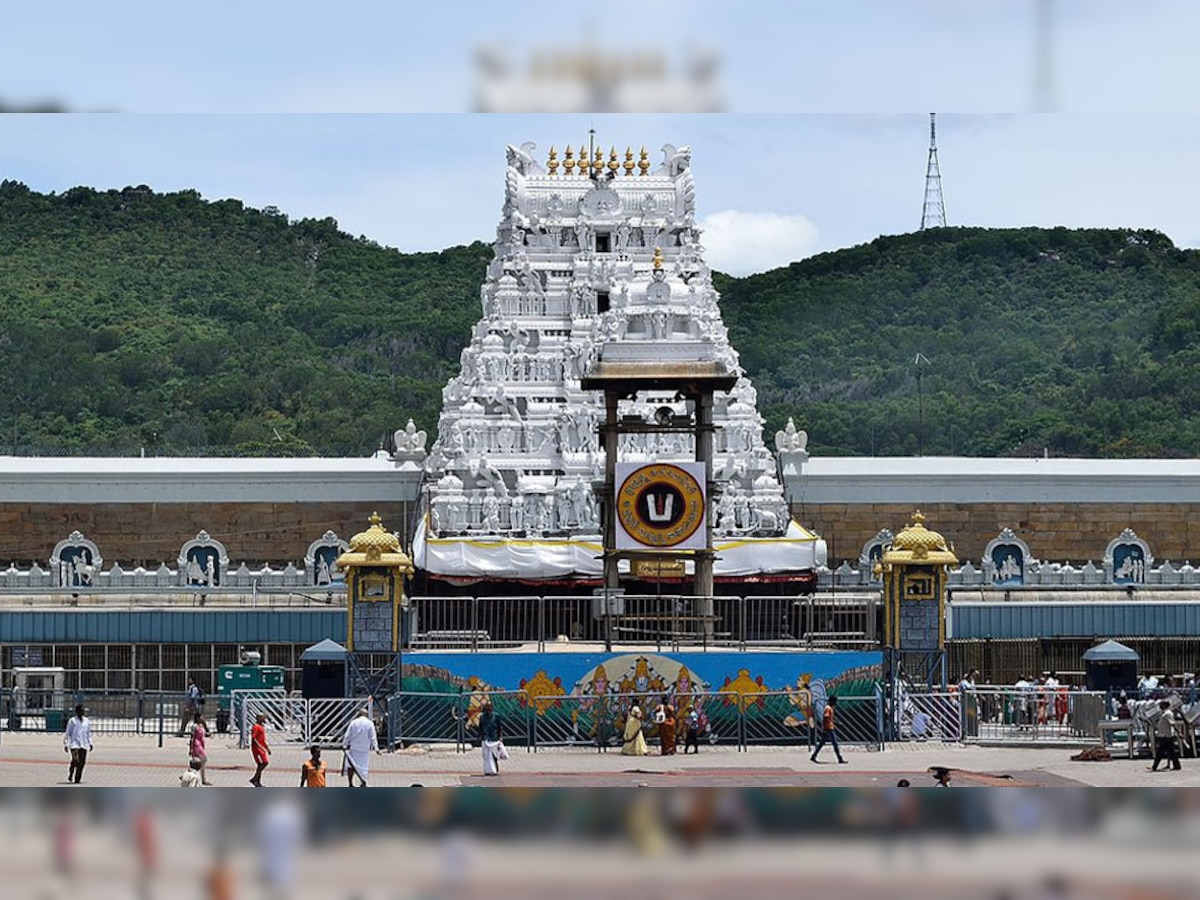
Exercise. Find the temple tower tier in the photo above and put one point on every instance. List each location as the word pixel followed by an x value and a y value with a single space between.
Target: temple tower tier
pixel 597 258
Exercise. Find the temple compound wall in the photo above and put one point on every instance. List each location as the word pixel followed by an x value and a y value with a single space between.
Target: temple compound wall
pixel 1068 510
pixel 1065 532
pixel 139 511
pixel 149 533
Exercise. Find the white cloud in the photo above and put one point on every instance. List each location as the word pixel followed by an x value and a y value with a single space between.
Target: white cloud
pixel 742 243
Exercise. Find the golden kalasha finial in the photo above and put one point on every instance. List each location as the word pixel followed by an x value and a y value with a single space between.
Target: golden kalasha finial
pixel 552 163
pixel 629 163
pixel 375 520
pixel 585 160
pixel 569 162
pixel 658 262
pixel 644 163
pixel 613 165
pixel 598 161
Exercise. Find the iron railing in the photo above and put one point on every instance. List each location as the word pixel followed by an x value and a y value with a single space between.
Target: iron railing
pixel 666 621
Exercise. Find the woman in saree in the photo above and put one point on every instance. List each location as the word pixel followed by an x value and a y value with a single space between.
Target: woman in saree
pixel 635 743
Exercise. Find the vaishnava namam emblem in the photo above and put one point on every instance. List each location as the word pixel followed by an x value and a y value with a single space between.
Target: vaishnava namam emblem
pixel 660 505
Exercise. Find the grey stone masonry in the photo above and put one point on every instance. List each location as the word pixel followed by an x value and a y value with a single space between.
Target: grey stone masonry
pixel 919 623
pixel 372 627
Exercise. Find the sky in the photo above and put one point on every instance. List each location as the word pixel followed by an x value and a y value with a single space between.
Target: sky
pixel 809 129
pixel 774 55
pixel 771 189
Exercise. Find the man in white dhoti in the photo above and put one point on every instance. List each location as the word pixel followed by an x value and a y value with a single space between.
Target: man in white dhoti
pixel 491 739
pixel 360 739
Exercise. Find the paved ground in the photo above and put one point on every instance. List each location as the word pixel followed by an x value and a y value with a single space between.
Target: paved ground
pixel 38 760
pixel 105 865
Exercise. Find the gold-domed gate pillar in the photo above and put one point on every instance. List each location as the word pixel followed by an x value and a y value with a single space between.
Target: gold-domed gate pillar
pixel 375 568
pixel 916 573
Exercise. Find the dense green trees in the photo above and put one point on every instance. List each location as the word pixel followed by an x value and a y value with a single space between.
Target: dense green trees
pixel 1039 340
pixel 133 319
pixel 129 319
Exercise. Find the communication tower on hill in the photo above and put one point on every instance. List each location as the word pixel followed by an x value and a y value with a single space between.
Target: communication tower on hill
pixel 933 214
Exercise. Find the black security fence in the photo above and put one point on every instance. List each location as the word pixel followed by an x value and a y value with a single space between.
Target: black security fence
pixel 139 713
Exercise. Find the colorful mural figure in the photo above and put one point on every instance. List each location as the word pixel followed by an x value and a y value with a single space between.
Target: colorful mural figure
pixel 688 695
pixel 595 707
pixel 642 679
pixel 477 696
pixel 741 692
pixel 542 692
pixel 809 698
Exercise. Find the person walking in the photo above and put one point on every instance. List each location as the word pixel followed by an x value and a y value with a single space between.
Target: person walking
pixel 312 770
pixel 192 698
pixel 357 743
pixel 77 741
pixel 198 747
pixel 491 738
pixel 1164 737
pixel 259 749
pixel 828 732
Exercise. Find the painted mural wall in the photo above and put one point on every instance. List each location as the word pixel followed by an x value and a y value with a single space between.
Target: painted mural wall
pixel 581 691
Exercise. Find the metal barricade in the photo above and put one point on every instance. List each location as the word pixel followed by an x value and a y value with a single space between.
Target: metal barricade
pixel 1006 714
pixel 307 722
pixel 415 717
pixel 245 705
pixel 578 721
pixel 516 710
pixel 325 719
pixel 110 713
pixel 778 718
pixel 930 716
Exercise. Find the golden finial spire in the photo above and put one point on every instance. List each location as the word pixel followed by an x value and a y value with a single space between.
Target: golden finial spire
pixel 598 160
pixel 552 164
pixel 629 163
pixel 569 162
pixel 375 520
pixel 658 260
pixel 644 163
pixel 585 160
pixel 613 165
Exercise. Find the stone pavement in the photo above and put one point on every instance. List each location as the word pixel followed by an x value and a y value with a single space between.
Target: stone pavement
pixel 38 760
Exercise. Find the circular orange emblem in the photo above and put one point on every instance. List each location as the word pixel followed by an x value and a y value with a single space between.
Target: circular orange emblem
pixel 660 505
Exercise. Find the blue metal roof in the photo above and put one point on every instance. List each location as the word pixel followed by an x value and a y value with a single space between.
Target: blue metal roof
pixel 193 626
pixel 1066 619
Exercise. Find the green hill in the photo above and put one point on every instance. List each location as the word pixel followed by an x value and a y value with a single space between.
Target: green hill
pixel 1082 343
pixel 129 318
pixel 133 319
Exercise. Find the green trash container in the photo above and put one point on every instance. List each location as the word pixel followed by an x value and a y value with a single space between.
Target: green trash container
pixel 56 720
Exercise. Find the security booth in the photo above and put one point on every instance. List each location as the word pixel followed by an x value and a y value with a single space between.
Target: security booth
pixel 323 670
pixel 38 691
pixel 1111 666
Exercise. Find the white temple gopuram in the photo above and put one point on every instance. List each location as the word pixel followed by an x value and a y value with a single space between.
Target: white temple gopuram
pixel 596 257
